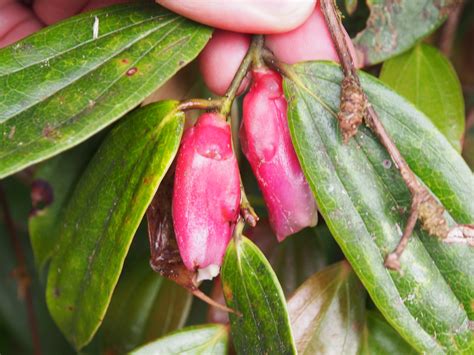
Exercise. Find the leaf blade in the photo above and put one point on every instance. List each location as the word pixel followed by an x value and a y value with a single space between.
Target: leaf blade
pixel 364 219
pixel 104 213
pixel 56 177
pixel 429 81
pixel 394 27
pixel 204 339
pixel 251 288
pixel 327 311
pixel 59 100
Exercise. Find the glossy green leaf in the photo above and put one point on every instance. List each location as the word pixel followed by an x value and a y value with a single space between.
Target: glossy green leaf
pixel 327 312
pixel 203 339
pixel 63 84
pixel 103 214
pixel 428 80
pixel 252 289
pixel 57 177
pixel 144 306
pixel 395 26
pixel 380 338
pixel 364 202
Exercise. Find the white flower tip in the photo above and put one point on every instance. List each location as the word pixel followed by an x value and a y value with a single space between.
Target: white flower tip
pixel 208 273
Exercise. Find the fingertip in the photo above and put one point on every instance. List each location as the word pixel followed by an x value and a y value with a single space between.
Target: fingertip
pixel 97 4
pixel 52 11
pixel 310 41
pixel 248 16
pixel 221 57
pixel 22 30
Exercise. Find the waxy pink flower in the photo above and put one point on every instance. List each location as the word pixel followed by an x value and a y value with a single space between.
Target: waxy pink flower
pixel 266 142
pixel 206 194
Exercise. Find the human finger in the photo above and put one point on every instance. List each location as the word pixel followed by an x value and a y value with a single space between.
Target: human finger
pixel 52 11
pixel 248 16
pixel 311 41
pixel 16 22
pixel 221 58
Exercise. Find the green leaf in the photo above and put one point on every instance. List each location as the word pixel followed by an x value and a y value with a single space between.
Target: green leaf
pixel 251 288
pixel 103 214
pixel 381 338
pixel 62 85
pixel 364 202
pixel 327 312
pixel 57 177
pixel 203 339
pixel 145 306
pixel 428 80
pixel 395 26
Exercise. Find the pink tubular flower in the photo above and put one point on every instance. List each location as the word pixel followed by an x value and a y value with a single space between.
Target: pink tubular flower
pixel 206 194
pixel 266 142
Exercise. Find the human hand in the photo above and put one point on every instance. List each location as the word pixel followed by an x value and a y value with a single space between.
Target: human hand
pixel 310 41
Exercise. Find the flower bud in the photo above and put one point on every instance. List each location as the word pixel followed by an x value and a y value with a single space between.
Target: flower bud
pixel 266 142
pixel 206 194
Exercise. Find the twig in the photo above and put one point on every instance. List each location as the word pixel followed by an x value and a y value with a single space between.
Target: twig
pixel 199 104
pixel 449 30
pixel 352 107
pixel 424 206
pixel 21 273
pixel 255 47
pixel 224 104
pixel 205 298
pixel 246 209
pixel 253 56
pixel 238 229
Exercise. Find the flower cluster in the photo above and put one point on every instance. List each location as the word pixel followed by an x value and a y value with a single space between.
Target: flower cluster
pixel 207 192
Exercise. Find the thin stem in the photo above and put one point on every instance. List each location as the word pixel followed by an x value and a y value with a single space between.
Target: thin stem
pixel 205 298
pixel 199 104
pixel 257 61
pixel 238 229
pixel 278 65
pixel 253 57
pixel 333 20
pixel 228 99
pixel 353 101
pixel 246 209
pixel 21 273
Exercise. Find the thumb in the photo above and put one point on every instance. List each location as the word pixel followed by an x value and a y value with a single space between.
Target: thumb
pixel 249 16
